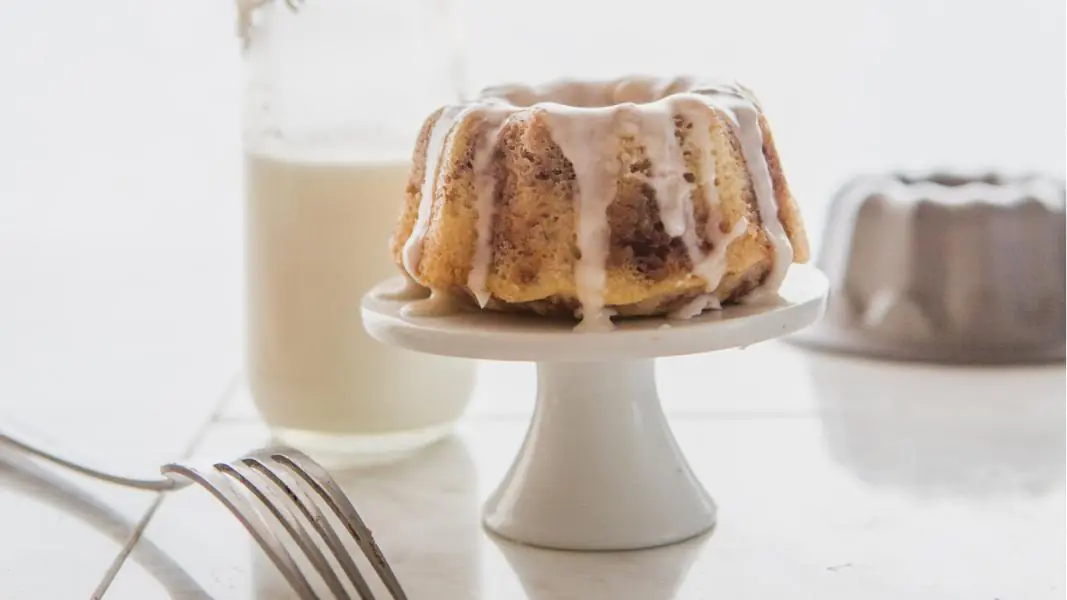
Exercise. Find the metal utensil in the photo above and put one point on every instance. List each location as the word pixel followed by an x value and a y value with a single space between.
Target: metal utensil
pixel 284 499
pixel 284 487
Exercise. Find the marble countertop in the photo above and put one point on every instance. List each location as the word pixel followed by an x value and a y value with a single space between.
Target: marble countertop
pixel 835 478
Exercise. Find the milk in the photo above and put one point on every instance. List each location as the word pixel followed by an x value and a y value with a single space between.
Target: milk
pixel 317 240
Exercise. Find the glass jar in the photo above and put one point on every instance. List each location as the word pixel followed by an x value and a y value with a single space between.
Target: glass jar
pixel 335 92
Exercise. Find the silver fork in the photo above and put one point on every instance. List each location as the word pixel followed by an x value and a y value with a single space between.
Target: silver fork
pixel 155 485
pixel 268 490
pixel 285 487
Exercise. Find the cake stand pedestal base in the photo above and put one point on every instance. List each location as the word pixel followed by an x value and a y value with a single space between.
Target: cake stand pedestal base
pixel 599 468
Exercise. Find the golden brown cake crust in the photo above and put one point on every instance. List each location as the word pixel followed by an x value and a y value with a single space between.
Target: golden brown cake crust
pixel 788 211
pixel 535 249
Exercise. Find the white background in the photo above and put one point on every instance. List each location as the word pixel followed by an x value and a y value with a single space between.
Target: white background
pixel 119 114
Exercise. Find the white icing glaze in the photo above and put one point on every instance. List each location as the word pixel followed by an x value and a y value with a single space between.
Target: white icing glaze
pixel 435 148
pixel 586 139
pixel 694 108
pixel 439 304
pixel 408 290
pixel 588 120
pixel 695 306
pixel 655 126
pixel 485 185
pixel 713 267
pixel 744 117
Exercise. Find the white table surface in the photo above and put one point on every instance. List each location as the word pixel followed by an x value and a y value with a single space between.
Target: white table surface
pixel 836 478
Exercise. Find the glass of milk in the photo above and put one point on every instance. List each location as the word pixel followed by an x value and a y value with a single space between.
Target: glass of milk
pixel 335 92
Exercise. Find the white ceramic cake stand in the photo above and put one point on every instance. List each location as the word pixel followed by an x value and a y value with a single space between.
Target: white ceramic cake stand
pixel 599 469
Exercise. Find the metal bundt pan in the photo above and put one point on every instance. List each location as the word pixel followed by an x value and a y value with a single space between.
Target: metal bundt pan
pixel 945 268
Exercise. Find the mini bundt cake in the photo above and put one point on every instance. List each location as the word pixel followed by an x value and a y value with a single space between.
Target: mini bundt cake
pixel 635 196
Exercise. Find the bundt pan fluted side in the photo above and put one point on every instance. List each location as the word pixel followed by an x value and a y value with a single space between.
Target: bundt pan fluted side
pixel 945 268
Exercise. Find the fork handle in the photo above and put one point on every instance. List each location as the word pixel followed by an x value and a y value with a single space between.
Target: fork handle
pixel 157 485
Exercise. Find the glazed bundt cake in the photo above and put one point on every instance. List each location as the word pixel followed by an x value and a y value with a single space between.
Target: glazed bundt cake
pixel 635 196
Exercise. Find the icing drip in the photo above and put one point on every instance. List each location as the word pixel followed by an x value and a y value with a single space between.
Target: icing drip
pixel 409 290
pixel 674 195
pixel 689 236
pixel 744 117
pixel 693 108
pixel 435 147
pixel 485 185
pixel 713 267
pixel 655 125
pixel 439 304
pixel 694 307
pixel 587 139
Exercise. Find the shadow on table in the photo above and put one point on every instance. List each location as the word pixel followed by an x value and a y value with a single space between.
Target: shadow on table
pixel 429 502
pixel 944 431
pixel 654 574
pixel 32 479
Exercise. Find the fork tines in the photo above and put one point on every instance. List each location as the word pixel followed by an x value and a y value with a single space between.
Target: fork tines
pixel 284 487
